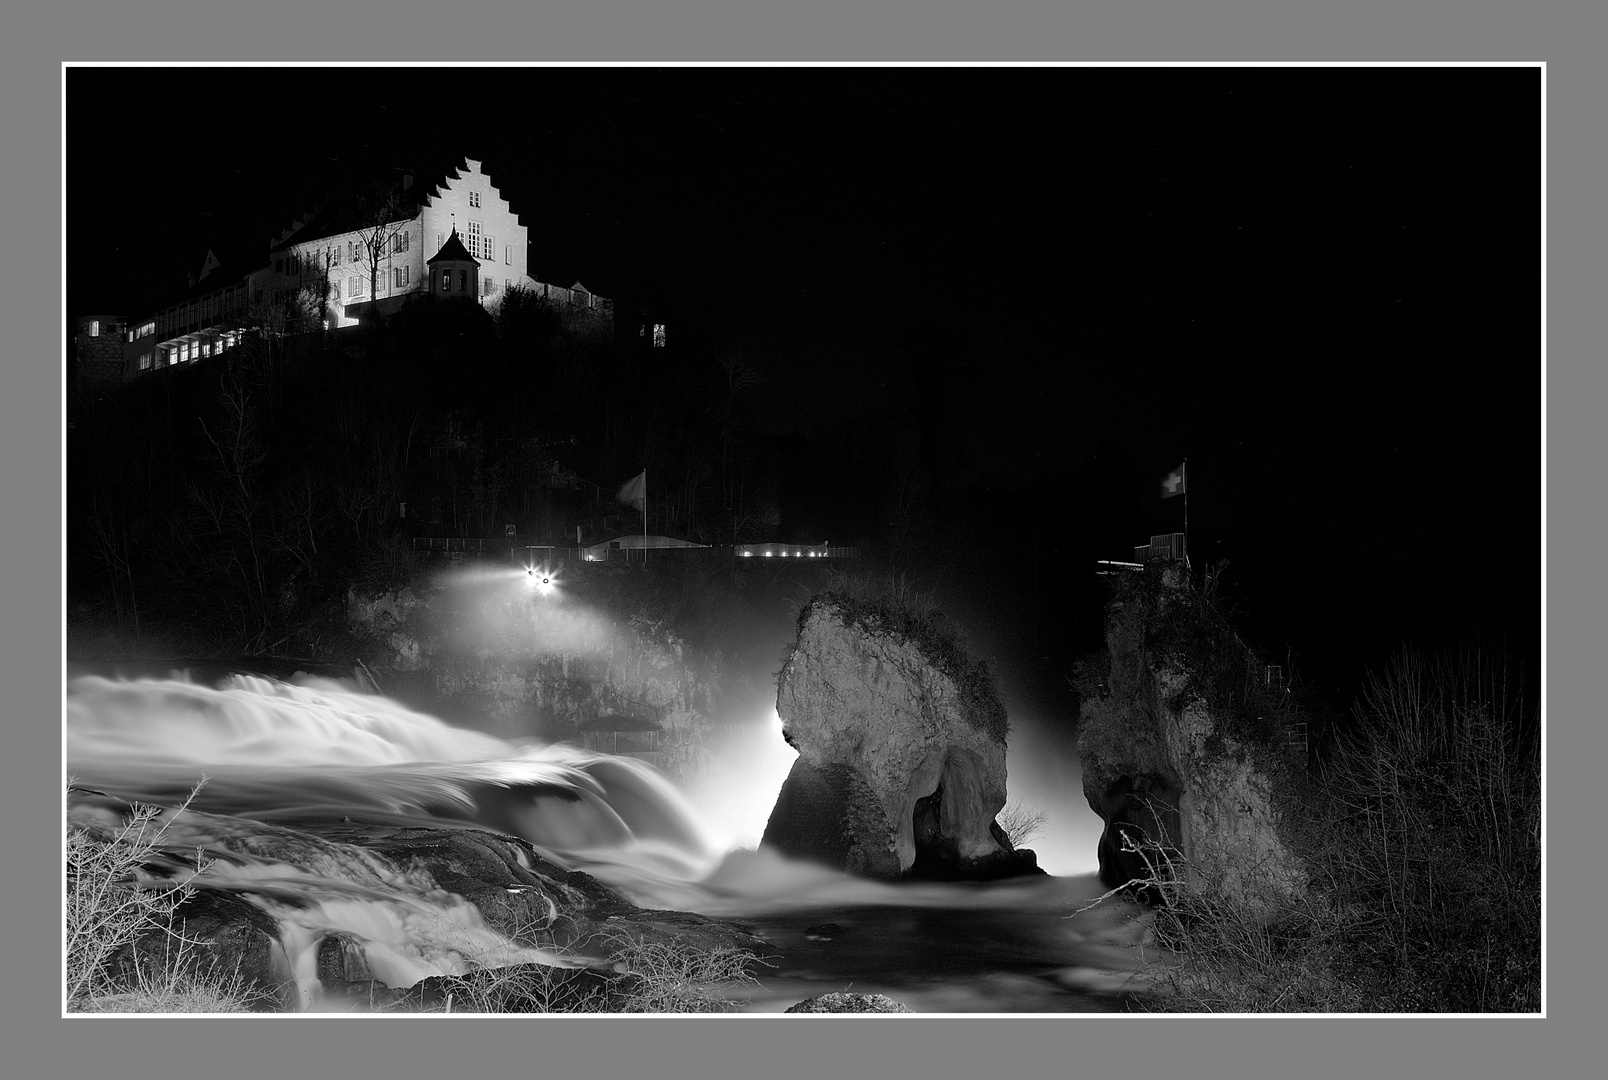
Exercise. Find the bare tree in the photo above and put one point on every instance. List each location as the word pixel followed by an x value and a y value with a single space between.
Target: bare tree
pixel 385 214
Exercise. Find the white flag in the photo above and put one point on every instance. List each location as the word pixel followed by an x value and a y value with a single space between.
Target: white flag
pixel 634 492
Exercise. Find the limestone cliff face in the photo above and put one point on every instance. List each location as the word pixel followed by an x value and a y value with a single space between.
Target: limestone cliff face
pixel 1179 745
pixel 901 743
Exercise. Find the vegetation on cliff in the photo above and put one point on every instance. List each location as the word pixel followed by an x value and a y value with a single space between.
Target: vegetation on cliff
pixel 893 605
pixel 1418 827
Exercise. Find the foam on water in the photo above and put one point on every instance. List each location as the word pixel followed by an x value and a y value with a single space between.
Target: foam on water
pixel 280 756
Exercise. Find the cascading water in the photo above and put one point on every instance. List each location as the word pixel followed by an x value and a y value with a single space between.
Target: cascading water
pixel 289 765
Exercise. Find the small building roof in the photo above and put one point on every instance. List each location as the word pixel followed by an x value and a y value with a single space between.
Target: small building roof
pixel 452 251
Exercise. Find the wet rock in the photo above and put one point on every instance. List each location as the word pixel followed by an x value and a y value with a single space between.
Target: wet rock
pixel 1171 763
pixel 522 895
pixel 214 934
pixel 848 1003
pixel 901 742
pixel 519 894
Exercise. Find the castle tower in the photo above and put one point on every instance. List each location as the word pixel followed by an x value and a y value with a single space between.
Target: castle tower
pixel 453 271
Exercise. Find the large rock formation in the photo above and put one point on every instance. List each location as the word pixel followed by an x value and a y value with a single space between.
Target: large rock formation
pixel 1181 744
pixel 901 743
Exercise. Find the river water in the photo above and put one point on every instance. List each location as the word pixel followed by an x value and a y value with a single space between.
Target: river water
pixel 278 753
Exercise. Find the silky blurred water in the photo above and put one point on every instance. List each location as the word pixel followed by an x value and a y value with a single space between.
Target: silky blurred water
pixel 280 755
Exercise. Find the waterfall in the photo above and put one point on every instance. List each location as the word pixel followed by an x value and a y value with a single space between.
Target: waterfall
pixel 271 757
pixel 298 772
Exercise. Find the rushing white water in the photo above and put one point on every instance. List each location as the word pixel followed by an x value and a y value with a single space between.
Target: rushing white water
pixel 277 756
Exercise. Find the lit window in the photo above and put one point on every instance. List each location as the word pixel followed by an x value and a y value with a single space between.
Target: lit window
pixel 446 281
pixel 94 328
pixel 145 361
pixel 658 335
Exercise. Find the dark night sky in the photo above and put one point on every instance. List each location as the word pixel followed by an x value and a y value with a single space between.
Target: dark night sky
pixel 1048 286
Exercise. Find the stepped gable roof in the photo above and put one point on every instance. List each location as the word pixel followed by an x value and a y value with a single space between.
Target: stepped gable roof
pixel 452 251
pixel 350 212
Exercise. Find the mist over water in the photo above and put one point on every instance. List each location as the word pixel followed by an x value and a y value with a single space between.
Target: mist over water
pixel 281 756
pixel 1043 772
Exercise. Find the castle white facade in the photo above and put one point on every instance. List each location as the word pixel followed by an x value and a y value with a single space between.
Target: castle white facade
pixel 341 263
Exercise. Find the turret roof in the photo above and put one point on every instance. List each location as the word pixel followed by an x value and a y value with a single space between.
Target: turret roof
pixel 452 251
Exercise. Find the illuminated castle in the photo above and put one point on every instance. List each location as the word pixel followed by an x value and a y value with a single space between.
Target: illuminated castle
pixel 339 263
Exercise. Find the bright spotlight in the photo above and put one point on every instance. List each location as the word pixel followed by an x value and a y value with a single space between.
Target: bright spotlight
pixel 541 579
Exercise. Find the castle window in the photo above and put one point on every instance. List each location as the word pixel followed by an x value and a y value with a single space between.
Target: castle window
pixel 490 251
pixel 94 328
pixel 357 286
pixel 474 238
pixel 446 281
pixel 145 361
pixel 658 335
pixel 335 255
pixel 474 199
pixel 508 254
pixel 399 276
pixel 488 286
pixel 335 284
pixel 399 242
pixel 440 239
pixel 463 281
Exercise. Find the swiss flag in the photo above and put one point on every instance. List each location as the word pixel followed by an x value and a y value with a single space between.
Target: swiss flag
pixel 1174 484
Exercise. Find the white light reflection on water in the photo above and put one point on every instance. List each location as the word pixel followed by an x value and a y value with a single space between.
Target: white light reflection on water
pixel 286 752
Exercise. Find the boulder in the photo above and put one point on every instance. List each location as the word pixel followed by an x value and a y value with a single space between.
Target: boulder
pixel 848 1003
pixel 901 744
pixel 1182 748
